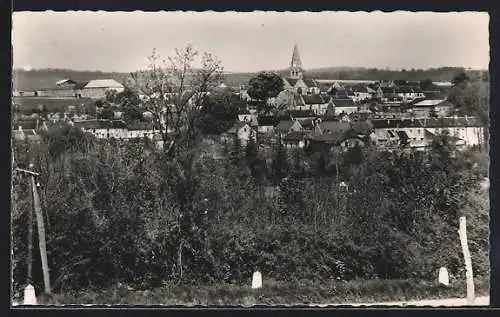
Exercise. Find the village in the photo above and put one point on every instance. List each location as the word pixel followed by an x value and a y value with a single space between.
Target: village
pixel 311 113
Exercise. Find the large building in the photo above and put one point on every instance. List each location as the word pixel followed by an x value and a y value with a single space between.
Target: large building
pixel 68 88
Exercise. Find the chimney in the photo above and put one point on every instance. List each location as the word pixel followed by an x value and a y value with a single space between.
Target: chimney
pixel 37 123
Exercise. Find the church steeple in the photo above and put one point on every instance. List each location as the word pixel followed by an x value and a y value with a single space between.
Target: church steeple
pixel 296 64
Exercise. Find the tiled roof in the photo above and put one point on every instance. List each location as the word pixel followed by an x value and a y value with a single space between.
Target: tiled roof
pixel 426 123
pixel 140 125
pixel 313 99
pixel 310 82
pixel 267 121
pixel 27 124
pixel 343 102
pixel 387 90
pixel 292 81
pixel 236 127
pixel 330 138
pixel 81 85
pixel 285 125
pixel 103 83
pixel 295 136
pixel 100 124
pixel 302 114
pixel 334 127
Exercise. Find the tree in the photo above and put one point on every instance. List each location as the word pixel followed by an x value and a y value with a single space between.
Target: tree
pixel 265 85
pixel 460 79
pixel 219 112
pixel 175 92
pixel 426 84
pixel 107 114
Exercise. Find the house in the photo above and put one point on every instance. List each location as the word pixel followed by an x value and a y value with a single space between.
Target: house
pixel 295 139
pixel 324 141
pixel 417 133
pixel 426 108
pixel 97 88
pixel 104 129
pixel 302 114
pixel 242 131
pixel 266 124
pixel 311 125
pixel 344 106
pixel 331 126
pixel 141 129
pixel 245 116
pixel 316 103
pixel 361 93
pixel 286 126
pixel 408 93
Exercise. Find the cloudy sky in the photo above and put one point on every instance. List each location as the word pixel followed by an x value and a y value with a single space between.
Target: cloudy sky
pixel 121 41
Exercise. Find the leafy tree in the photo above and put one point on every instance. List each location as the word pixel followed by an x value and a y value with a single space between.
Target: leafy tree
pixel 107 114
pixel 460 79
pixel 426 84
pixel 265 85
pixel 219 112
pixel 132 113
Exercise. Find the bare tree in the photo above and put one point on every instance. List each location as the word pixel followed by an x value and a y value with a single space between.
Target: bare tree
pixel 173 91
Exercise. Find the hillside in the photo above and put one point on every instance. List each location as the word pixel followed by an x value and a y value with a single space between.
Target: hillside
pixel 45 78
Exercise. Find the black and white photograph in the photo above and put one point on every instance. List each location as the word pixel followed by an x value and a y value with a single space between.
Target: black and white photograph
pixel 203 159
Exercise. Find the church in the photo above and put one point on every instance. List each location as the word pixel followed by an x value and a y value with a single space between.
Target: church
pixel 296 81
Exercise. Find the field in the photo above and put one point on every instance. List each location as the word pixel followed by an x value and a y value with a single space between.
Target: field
pixel 51 104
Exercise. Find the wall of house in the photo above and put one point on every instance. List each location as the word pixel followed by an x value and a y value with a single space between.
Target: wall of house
pixel 339 110
pixel 265 129
pixel 66 93
pixel 97 93
pixel 132 134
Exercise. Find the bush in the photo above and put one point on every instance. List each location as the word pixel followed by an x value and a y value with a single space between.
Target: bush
pixel 113 214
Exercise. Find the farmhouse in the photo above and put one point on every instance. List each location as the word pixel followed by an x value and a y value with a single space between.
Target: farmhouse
pixel 104 129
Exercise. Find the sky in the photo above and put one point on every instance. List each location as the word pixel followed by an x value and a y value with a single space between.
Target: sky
pixel 253 41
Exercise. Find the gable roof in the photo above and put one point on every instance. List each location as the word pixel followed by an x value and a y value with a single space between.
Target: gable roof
pixel 103 83
pixel 310 82
pixel 100 124
pixel 302 114
pixel 313 99
pixel 295 136
pixel 286 125
pixel 334 127
pixel 292 81
pixel 81 85
pixel 343 102
pixel 65 81
pixel 236 127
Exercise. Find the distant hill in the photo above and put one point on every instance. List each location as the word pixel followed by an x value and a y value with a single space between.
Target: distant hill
pixel 45 78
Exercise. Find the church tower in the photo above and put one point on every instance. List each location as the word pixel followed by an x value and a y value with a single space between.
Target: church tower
pixel 296 64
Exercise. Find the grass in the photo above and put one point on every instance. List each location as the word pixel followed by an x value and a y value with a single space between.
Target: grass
pixel 272 293
pixel 52 104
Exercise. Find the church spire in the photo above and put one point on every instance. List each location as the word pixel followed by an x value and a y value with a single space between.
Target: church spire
pixel 296 64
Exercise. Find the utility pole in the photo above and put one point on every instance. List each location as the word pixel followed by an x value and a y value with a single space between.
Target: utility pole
pixel 41 229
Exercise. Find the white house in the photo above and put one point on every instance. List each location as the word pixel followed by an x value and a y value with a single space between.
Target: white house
pixel 242 131
pixel 419 133
pixel 104 129
pixel 345 106
pixel 97 88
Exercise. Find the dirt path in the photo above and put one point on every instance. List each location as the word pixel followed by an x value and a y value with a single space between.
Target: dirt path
pixel 449 302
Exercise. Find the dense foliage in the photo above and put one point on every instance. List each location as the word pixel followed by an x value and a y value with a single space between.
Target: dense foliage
pixel 113 213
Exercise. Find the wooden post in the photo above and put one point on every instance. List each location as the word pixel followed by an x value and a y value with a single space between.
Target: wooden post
pixel 468 261
pixel 41 236
pixel 30 246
